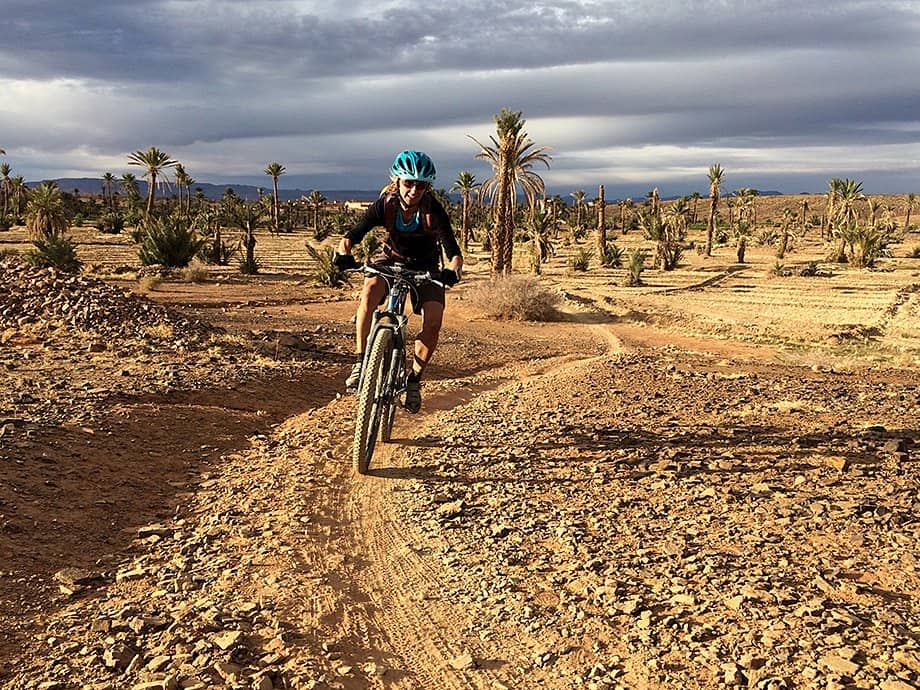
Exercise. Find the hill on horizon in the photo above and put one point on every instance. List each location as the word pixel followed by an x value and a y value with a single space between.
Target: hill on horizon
pixel 91 185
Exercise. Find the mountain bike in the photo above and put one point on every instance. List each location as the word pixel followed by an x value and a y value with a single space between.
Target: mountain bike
pixel 384 371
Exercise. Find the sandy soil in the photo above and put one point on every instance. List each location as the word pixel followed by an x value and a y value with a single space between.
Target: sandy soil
pixel 710 481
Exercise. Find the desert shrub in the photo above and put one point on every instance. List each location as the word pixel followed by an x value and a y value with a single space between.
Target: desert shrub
pixel 580 260
pixel 613 256
pixel 169 242
pixel 111 223
pixel 249 265
pixel 809 270
pixel 148 283
pixel 6 222
pixel 195 272
pixel 634 266
pixel 56 251
pixel 325 272
pixel 520 298
pixel 867 243
pixel 767 237
pixel 778 270
pixel 216 251
pixel 914 253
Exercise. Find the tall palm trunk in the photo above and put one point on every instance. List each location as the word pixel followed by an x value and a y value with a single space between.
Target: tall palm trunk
pixel 601 224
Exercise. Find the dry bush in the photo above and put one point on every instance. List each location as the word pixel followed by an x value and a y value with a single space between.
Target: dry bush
pixel 195 272
pixel 519 298
pixel 149 283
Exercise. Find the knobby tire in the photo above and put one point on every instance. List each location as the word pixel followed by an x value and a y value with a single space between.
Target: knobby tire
pixel 389 410
pixel 367 420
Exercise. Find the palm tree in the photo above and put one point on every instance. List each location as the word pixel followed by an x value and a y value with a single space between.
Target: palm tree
pixel 275 170
pixel 716 175
pixel 108 189
pixel 512 156
pixel 154 162
pixel 744 202
pixel 601 237
pixel 465 184
pixel 129 187
pixel 911 200
pixel 579 196
pixel 539 225
pixel 316 201
pixel 20 190
pixel 184 180
pixel 46 214
pixel 696 196
pixel 830 213
pixel 789 218
pixel 5 186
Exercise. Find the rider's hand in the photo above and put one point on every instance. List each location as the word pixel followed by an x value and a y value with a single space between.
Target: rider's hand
pixel 344 262
pixel 449 277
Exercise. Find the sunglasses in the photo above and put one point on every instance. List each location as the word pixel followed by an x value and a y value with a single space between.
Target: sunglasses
pixel 412 184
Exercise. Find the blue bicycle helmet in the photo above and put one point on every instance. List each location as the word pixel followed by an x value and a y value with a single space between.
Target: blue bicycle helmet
pixel 413 165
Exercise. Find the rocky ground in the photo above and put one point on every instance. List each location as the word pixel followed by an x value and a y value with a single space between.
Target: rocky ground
pixel 581 504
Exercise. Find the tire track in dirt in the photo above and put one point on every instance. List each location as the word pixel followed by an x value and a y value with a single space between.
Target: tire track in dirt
pixel 407 587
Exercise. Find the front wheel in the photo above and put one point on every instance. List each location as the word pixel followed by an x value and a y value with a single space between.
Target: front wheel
pixel 367 420
pixel 395 380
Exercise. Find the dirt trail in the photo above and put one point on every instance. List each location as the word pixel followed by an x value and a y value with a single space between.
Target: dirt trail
pixel 590 503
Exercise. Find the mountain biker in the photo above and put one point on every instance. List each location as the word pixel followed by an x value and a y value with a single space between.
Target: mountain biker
pixel 417 229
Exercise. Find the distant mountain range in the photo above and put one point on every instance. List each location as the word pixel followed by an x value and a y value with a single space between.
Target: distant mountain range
pixel 93 185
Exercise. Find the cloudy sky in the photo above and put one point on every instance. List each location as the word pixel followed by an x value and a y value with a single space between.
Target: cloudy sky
pixel 627 94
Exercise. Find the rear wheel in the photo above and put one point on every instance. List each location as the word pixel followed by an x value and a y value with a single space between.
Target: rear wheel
pixel 367 420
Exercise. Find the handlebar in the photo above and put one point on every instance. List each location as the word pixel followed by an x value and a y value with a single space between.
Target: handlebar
pixel 397 271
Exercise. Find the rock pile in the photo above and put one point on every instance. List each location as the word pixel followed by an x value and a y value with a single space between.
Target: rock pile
pixel 53 301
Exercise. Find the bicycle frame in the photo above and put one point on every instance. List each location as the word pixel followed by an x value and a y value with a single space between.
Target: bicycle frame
pixel 384 374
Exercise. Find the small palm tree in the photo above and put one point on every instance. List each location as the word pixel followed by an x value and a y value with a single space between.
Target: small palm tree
pixel 46 214
pixel 108 188
pixel 789 219
pixel 579 196
pixel 716 178
pixel 540 227
pixel 743 224
pixel 6 186
pixel 154 163
pixel 316 201
pixel 465 184
pixel 512 156
pixel 911 200
pixel 275 170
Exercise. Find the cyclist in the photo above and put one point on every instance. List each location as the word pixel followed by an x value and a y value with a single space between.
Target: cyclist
pixel 417 229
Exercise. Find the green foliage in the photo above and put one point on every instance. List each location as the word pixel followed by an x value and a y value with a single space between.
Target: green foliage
pixel 867 243
pixel 514 297
pixel 613 255
pixel 6 222
pixel 169 242
pixel 56 251
pixel 326 272
pixel 580 260
pixel 634 267
pixel 368 247
pixel 111 223
pixel 915 253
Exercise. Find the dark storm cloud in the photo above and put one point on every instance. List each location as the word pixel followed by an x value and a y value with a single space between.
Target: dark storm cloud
pixel 338 87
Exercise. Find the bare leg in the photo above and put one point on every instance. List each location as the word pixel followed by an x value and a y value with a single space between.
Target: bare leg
pixel 374 290
pixel 427 341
